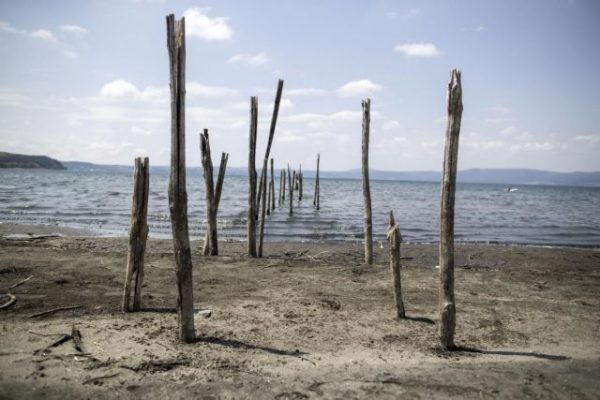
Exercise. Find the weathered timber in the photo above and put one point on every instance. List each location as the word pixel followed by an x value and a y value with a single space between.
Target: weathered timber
pixel 291 190
pixel 300 183
pixel 177 183
pixel 272 186
pixel 269 197
pixel 218 189
pixel 446 295
pixel 211 245
pixel 138 234
pixel 317 183
pixel 395 239
pixel 251 224
pixel 263 178
pixel 284 183
pixel 368 218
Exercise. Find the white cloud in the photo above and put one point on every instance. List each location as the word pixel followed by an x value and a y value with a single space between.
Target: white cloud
pixel 418 49
pixel 5 26
pixel 119 89
pixel 509 130
pixel 356 88
pixel 251 60
pixel 389 125
pixel 198 89
pixel 11 97
pixel 74 30
pixel 305 92
pixel 43 34
pixel 588 139
pixel 537 146
pixel 140 131
pixel 200 25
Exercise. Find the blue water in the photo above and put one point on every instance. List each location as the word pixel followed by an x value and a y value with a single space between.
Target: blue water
pixel 485 213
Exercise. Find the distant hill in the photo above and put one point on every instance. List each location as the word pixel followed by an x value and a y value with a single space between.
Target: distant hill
pixel 495 176
pixel 10 160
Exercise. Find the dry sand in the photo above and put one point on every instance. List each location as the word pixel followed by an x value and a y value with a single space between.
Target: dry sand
pixel 307 321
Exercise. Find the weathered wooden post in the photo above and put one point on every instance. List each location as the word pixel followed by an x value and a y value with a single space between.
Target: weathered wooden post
pixel 447 301
pixel 269 198
pixel 138 233
pixel 395 239
pixel 284 181
pixel 300 183
pixel 272 186
pixel 317 183
pixel 291 190
pixel 368 219
pixel 263 178
pixel 209 190
pixel 206 250
pixel 177 188
pixel 251 225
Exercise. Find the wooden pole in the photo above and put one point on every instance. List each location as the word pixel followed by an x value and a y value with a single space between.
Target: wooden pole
pixel 209 190
pixel 263 177
pixel 300 183
pixel 252 178
pixel 284 182
pixel 291 189
pixel 218 190
pixel 368 219
pixel 177 185
pixel 395 239
pixel 447 301
pixel 138 233
pixel 317 188
pixel 272 186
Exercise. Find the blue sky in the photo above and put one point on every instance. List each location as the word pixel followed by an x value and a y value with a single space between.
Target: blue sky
pixel 88 80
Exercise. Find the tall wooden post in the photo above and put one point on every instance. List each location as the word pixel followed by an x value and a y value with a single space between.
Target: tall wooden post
pixel 317 183
pixel 272 186
pixel 395 239
pixel 209 190
pixel 177 186
pixel 206 250
pixel 252 178
pixel 291 190
pixel 368 219
pixel 447 302
pixel 138 233
pixel 263 178
pixel 283 193
pixel 300 183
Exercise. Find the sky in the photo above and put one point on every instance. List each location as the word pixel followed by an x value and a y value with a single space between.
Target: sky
pixel 88 80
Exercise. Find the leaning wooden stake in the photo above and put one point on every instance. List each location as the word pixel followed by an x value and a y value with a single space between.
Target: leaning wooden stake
pixel 263 178
pixel 368 218
pixel 395 239
pixel 177 188
pixel 211 245
pixel 206 250
pixel 317 183
pixel 138 233
pixel 252 178
pixel 447 302
pixel 291 190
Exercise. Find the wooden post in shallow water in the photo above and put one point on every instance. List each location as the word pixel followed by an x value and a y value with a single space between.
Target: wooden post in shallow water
pixel 138 233
pixel 272 186
pixel 211 246
pixel 282 193
pixel 395 239
pixel 300 183
pixel 317 188
pixel 447 301
pixel 218 189
pixel 368 218
pixel 252 178
pixel 290 190
pixel 177 188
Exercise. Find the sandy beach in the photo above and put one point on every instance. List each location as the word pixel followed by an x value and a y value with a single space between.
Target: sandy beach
pixel 306 321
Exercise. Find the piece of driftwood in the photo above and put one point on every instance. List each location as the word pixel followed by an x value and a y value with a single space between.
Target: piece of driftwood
pixel 395 239
pixel 64 338
pixel 263 178
pixel 317 199
pixel 368 217
pixel 12 299
pixel 447 300
pixel 52 311
pixel 209 191
pixel 251 223
pixel 76 337
pixel 206 250
pixel 138 235
pixel 99 378
pixel 21 282
pixel 177 183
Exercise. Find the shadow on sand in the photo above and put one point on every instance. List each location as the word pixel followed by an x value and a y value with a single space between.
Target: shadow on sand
pixel 236 344
pixel 541 356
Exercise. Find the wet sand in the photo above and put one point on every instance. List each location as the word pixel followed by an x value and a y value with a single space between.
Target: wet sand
pixel 306 321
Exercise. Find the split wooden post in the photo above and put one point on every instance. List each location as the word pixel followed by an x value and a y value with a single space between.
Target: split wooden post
pixel 263 177
pixel 317 183
pixel 252 178
pixel 290 189
pixel 447 301
pixel 138 234
pixel 206 250
pixel 272 186
pixel 395 239
pixel 211 245
pixel 177 185
pixel 368 218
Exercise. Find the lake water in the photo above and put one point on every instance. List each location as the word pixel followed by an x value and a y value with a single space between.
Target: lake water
pixel 101 202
